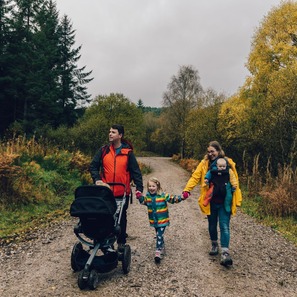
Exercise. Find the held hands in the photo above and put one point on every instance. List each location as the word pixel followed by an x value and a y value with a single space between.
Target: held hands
pixel 185 195
pixel 138 194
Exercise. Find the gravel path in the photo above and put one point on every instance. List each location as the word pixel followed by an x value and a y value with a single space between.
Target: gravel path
pixel 265 264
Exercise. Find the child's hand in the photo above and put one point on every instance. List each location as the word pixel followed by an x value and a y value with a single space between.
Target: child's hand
pixel 185 195
pixel 206 181
pixel 138 194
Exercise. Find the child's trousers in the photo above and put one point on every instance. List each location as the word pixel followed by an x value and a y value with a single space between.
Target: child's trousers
pixel 160 237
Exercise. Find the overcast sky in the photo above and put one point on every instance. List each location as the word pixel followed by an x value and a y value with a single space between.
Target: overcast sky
pixel 134 47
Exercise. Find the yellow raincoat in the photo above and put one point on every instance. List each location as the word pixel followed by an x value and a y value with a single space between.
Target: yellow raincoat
pixel 198 177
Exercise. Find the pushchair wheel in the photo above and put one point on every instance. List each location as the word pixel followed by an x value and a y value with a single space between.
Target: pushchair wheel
pixel 93 279
pixel 77 249
pixel 126 260
pixel 82 279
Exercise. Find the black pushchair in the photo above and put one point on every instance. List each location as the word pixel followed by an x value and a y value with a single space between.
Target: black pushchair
pixel 99 216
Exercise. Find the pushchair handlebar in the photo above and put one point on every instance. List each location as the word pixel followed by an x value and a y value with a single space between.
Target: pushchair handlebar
pixel 113 184
pixel 122 185
pixel 118 184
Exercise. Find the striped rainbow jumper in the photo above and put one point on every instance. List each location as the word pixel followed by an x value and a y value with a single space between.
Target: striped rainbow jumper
pixel 157 207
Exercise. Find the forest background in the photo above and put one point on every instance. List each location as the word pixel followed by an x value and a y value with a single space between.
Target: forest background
pixel 50 127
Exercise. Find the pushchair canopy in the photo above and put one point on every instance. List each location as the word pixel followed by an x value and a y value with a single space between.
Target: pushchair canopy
pixel 93 200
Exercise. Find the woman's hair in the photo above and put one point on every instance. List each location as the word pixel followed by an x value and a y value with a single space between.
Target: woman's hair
pixel 157 182
pixel 216 145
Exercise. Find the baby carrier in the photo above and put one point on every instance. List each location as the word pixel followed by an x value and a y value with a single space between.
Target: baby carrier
pixel 99 216
pixel 220 179
pixel 218 185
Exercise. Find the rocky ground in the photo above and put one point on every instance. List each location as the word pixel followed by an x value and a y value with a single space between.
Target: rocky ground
pixel 264 263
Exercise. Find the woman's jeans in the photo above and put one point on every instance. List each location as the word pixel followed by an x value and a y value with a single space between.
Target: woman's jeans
pixel 218 213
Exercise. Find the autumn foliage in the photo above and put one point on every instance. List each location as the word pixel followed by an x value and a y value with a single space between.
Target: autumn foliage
pixel 32 171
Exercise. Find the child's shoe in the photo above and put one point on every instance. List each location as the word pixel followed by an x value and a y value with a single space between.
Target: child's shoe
pixel 158 256
pixel 214 249
pixel 226 259
pixel 163 252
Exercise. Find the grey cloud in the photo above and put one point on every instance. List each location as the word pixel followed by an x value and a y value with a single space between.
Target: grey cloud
pixel 135 46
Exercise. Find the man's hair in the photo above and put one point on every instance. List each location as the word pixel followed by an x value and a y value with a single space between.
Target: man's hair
pixel 118 127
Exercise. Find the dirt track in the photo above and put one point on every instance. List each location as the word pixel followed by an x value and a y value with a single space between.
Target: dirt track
pixel 265 264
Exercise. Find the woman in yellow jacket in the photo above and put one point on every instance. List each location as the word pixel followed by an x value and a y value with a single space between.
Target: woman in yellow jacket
pixel 215 210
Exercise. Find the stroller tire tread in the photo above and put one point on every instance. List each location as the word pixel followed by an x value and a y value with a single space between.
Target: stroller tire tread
pixel 77 249
pixel 126 260
pixel 93 279
pixel 82 280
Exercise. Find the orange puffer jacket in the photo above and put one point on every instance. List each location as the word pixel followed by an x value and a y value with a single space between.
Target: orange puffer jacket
pixel 115 169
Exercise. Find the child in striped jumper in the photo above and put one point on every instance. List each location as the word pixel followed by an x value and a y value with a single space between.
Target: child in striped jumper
pixel 158 214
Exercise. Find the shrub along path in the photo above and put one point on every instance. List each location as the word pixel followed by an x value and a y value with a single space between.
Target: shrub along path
pixel 265 264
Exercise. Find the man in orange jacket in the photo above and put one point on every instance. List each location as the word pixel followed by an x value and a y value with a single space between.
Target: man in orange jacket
pixel 116 162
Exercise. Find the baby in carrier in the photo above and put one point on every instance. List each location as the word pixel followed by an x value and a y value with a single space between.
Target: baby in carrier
pixel 222 183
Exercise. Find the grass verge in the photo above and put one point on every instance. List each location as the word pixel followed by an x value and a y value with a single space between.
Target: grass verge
pixel 17 221
pixel 287 226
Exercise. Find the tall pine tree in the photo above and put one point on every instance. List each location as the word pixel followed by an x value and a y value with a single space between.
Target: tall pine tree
pixel 46 64
pixel 22 53
pixel 6 109
pixel 72 80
